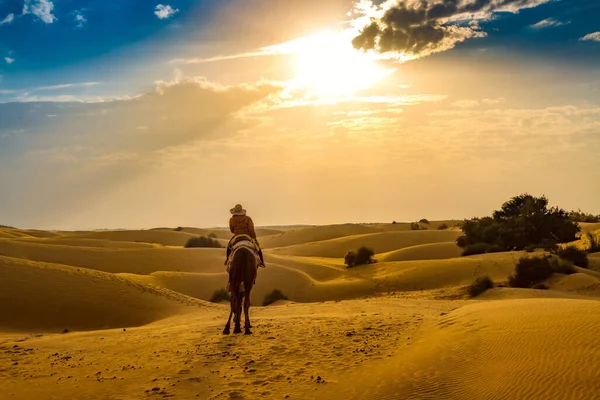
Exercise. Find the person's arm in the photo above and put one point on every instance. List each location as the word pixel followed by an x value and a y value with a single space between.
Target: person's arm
pixel 251 228
pixel 231 224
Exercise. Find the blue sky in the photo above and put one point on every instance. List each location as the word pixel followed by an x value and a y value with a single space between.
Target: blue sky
pixel 114 103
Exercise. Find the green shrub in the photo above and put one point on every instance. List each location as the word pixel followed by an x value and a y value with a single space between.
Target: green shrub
pixel 424 221
pixel 442 227
pixel 573 254
pixel 522 221
pixel 480 285
pixel 481 248
pixel 219 296
pixel 350 259
pixel 530 271
pixel 414 226
pixel 461 241
pixel 364 256
pixel 272 297
pixel 202 241
pixel 562 266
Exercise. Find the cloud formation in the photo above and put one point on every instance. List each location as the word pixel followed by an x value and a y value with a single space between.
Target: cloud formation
pixel 411 29
pixel 549 23
pixel 80 20
pixel 165 11
pixel 592 37
pixel 9 60
pixel 9 18
pixel 41 9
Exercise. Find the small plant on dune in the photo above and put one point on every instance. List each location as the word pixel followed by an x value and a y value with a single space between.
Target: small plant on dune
pixel 202 241
pixel 274 296
pixel 394 222
pixel 364 256
pixel 219 296
pixel 530 271
pixel 480 285
pixel 442 227
pixel 415 226
pixel 178 229
pixel 212 235
pixel 424 221
pixel 573 254
pixel 350 259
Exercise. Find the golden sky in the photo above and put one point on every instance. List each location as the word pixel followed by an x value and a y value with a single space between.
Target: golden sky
pixel 271 104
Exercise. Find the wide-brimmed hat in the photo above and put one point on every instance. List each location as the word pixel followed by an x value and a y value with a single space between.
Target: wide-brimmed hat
pixel 238 210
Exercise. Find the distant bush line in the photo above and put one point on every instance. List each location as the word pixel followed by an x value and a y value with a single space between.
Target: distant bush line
pixel 7 226
pixel 202 241
pixel 522 222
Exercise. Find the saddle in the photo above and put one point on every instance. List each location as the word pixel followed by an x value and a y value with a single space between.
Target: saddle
pixel 243 242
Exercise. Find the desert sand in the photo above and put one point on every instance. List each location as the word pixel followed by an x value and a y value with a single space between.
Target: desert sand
pixel 125 315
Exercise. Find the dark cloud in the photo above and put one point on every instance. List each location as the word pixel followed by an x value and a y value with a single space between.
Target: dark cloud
pixel 417 28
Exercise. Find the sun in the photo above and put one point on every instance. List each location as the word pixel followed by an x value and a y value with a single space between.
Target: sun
pixel 329 67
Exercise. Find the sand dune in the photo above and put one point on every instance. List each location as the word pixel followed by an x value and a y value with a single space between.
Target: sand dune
pixel 430 251
pixel 379 242
pixel 68 241
pixel 494 350
pixel 590 226
pixel 314 234
pixel 164 237
pixel 397 329
pixel 51 297
pixel 137 261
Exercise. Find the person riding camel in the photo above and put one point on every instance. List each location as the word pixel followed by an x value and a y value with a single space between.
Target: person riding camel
pixel 242 225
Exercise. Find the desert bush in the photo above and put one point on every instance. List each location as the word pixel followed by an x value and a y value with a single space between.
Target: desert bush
pixel 531 248
pixel 481 248
pixel 442 227
pixel 573 254
pixel 477 248
pixel 350 259
pixel 219 296
pixel 7 226
pixel 540 286
pixel 522 221
pixel 579 216
pixel 424 221
pixel 394 222
pixel 461 241
pixel 364 256
pixel 272 297
pixel 480 285
pixel 212 235
pixel 202 241
pixel 530 271
pixel 594 244
pixel 178 229
pixel 562 266
pixel 414 226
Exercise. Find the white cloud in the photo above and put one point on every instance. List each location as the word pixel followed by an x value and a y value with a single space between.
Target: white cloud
pixel 67 86
pixel 592 37
pixel 549 23
pixel 9 60
pixel 80 19
pixel 9 18
pixel 41 9
pixel 165 11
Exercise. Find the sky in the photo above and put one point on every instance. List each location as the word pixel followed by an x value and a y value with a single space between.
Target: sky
pixel 137 114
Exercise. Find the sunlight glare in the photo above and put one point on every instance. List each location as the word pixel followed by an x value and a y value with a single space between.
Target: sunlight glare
pixel 328 66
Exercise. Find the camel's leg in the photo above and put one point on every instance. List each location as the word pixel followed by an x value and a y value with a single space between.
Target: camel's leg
pixel 247 325
pixel 238 311
pixel 228 326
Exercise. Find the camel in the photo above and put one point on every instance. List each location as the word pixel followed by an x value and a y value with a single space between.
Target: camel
pixel 241 276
